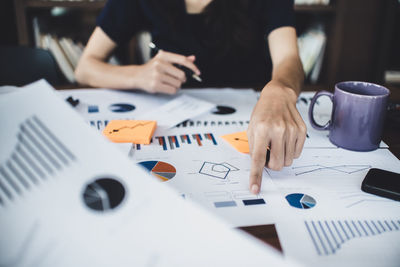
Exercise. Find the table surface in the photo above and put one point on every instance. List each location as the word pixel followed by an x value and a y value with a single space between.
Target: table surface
pixel 391 136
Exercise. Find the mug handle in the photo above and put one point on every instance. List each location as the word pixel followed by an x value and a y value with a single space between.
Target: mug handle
pixel 314 124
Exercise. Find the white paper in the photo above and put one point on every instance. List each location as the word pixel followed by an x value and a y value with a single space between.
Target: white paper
pixel 358 240
pixel 179 109
pixel 211 173
pixel 99 106
pixel 91 206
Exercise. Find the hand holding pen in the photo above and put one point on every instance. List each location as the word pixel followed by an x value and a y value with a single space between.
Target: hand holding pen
pixel 163 73
pixel 188 71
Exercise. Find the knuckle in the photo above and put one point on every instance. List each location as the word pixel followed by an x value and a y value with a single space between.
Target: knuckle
pixel 182 60
pixel 279 129
pixel 157 64
pixel 153 86
pixel 303 129
pixel 161 53
pixel 288 162
pixel 156 76
pixel 275 166
pixel 291 129
pixel 261 129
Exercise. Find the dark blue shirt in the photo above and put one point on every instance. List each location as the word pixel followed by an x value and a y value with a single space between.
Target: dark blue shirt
pixel 122 19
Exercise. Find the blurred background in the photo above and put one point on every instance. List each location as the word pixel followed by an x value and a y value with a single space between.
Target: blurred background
pixel 338 39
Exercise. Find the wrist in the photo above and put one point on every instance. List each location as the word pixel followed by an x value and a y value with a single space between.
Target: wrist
pixel 131 78
pixel 278 89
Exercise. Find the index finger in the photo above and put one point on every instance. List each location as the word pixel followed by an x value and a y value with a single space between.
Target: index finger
pixel 179 59
pixel 258 157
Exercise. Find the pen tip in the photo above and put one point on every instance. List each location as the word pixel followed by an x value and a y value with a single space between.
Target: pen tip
pixel 197 78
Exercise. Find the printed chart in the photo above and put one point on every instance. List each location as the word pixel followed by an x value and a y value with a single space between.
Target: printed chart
pixel 121 107
pixel 223 110
pixel 173 142
pixel 38 155
pixel 345 169
pixel 104 194
pixel 160 169
pixel 301 201
pixel 329 236
pixel 217 170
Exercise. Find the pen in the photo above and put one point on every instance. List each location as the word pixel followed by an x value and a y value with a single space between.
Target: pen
pixel 267 156
pixel 187 71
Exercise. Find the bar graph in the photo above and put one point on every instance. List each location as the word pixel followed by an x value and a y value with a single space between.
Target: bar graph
pixel 38 155
pixel 328 236
pixel 173 142
pixel 212 123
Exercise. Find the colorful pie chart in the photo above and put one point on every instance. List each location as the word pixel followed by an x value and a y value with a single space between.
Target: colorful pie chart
pixel 160 169
pixel 301 201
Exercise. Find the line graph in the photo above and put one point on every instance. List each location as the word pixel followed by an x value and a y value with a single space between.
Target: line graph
pixel 129 127
pixel 346 169
pixel 356 198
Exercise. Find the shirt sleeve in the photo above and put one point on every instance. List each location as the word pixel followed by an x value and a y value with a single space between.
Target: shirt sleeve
pixel 279 13
pixel 122 19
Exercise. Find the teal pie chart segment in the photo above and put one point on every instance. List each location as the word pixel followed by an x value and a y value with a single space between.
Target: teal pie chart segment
pixel 301 201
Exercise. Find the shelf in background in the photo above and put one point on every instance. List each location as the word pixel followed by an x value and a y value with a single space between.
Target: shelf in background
pixel 101 3
pixel 315 8
pixel 74 4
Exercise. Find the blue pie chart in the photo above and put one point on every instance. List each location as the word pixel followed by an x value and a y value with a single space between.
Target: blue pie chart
pixel 301 201
pixel 121 107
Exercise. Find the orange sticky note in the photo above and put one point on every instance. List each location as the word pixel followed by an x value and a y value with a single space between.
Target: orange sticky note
pixel 238 140
pixel 130 131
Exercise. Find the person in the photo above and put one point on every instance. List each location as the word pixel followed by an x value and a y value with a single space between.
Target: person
pixel 224 41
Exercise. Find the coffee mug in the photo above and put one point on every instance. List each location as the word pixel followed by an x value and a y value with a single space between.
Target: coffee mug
pixel 358 114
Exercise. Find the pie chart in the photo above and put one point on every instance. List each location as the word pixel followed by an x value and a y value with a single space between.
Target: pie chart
pixel 160 169
pixel 121 107
pixel 223 110
pixel 104 194
pixel 301 201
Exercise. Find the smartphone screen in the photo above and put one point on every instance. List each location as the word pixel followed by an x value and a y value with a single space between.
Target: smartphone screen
pixel 382 183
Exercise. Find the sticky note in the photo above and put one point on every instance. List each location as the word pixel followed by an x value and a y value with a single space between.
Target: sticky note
pixel 130 131
pixel 238 140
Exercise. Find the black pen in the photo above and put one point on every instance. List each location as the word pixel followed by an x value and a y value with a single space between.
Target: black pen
pixel 187 71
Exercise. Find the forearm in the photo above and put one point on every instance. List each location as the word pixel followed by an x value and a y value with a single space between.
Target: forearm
pixel 289 72
pixel 96 73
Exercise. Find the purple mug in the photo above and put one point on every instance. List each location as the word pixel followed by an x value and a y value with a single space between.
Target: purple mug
pixel 358 114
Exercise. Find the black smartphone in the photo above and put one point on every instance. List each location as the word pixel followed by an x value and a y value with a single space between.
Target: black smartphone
pixel 382 183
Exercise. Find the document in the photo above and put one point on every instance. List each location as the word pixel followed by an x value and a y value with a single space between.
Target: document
pixel 357 240
pixel 100 106
pixel 306 200
pixel 233 107
pixel 180 109
pixel 69 198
